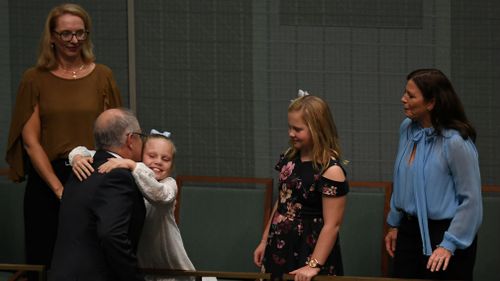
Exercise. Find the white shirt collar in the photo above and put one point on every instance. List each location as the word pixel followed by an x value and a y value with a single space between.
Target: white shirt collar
pixel 114 154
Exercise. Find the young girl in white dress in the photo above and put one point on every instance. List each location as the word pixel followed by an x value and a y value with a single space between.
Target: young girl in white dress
pixel 160 244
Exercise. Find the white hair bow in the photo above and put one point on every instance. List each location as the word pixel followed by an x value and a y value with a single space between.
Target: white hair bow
pixel 165 134
pixel 302 93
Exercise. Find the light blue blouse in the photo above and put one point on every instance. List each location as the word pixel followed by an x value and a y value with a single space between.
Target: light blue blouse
pixel 442 182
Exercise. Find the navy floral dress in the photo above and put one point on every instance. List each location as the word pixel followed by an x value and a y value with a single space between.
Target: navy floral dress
pixel 298 219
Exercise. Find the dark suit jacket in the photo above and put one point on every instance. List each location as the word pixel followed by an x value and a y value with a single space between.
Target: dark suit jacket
pixel 100 221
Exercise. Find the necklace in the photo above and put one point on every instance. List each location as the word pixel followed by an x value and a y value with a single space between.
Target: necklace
pixel 73 73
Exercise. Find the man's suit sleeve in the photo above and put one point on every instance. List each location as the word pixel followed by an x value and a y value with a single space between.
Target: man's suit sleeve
pixel 113 206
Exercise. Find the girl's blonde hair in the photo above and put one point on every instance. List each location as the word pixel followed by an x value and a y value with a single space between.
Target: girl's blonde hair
pixel 318 118
pixel 46 52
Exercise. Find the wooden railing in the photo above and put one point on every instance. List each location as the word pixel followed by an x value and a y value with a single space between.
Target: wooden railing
pixel 288 277
pixel 199 274
pixel 256 276
pixel 19 270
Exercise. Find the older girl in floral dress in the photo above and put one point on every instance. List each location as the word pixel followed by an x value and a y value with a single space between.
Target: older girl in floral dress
pixel 301 237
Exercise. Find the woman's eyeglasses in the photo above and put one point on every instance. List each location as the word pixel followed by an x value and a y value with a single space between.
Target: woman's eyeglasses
pixel 67 36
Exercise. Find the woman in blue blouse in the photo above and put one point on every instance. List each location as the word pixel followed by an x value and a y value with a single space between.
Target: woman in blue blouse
pixel 436 205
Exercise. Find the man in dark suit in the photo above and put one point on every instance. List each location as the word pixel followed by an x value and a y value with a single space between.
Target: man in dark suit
pixel 101 218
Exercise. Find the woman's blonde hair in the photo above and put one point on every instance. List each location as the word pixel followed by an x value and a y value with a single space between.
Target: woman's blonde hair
pixel 46 52
pixel 318 118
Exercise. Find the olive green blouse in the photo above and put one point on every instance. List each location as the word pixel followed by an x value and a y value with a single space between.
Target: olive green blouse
pixel 68 109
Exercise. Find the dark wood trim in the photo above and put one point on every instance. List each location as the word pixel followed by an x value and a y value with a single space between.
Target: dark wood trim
pixel 289 277
pixel 218 274
pixel 267 182
pixel 20 269
pixel 256 276
pixel 491 188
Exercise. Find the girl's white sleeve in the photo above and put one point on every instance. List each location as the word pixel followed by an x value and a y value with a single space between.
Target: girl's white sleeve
pixel 80 150
pixel 154 191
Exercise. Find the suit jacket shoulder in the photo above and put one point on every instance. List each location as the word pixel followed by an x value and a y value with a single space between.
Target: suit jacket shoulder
pixel 100 221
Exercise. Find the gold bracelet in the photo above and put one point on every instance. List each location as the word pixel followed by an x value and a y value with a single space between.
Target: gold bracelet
pixel 312 262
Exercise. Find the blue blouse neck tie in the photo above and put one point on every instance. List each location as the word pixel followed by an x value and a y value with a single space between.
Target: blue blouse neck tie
pixel 421 138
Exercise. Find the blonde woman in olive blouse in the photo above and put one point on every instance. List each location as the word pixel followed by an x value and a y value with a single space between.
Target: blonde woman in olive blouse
pixel 64 91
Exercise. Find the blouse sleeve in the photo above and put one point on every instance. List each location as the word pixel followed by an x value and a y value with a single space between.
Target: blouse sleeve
pixel 333 188
pixel 112 97
pixel 154 191
pixel 80 150
pixel 394 216
pixel 26 100
pixel 463 162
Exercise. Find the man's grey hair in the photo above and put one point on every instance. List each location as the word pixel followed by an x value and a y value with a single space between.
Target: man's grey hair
pixel 114 132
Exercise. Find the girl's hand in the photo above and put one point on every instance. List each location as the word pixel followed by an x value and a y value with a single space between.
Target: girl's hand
pixel 114 163
pixel 440 258
pixel 82 166
pixel 258 254
pixel 305 273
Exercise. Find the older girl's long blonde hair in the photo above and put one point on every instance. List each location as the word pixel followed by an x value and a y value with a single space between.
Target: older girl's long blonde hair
pixel 318 118
pixel 47 59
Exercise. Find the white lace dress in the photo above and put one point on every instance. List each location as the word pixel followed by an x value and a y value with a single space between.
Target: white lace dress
pixel 160 245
